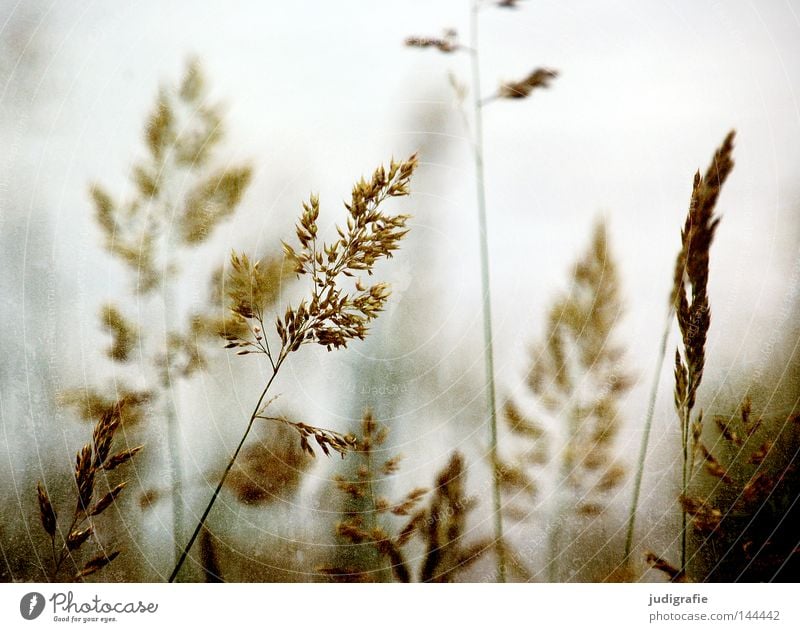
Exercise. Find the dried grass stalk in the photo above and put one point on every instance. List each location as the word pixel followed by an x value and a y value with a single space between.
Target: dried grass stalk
pixel 338 308
pixel 91 461
pixel 539 78
pixel 578 378
pixel 690 299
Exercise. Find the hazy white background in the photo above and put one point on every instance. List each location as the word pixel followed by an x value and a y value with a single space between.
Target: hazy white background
pixel 318 93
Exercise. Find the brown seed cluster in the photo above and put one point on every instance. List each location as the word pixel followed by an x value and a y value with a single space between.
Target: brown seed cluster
pixel 333 314
pixel 754 469
pixel 93 459
pixel 690 289
pixel 448 43
pixel 690 300
pixel 752 491
pixel 536 80
pixel 327 440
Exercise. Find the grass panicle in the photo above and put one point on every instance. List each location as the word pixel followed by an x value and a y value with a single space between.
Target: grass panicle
pixel 337 309
pixel 578 378
pixel 446 552
pixel 390 526
pixel 369 517
pixel 92 463
pixel 176 186
pixel 697 234
pixel 179 198
pixel 692 309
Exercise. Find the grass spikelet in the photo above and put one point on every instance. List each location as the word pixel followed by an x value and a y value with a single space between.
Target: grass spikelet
pixel 448 43
pixel 705 517
pixel 536 80
pixel 46 512
pixel 97 563
pixel 212 200
pixel 520 424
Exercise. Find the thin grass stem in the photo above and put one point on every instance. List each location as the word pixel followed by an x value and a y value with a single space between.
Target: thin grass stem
pixel 170 413
pixel 684 483
pixel 485 286
pixel 648 425
pixel 202 521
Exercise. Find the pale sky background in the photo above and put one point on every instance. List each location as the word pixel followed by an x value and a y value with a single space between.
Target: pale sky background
pixel 318 93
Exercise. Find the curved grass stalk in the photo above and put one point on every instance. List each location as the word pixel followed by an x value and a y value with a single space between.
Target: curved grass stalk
pixel 334 313
pixel 202 522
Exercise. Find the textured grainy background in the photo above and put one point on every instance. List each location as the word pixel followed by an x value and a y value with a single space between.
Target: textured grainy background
pixel 317 93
